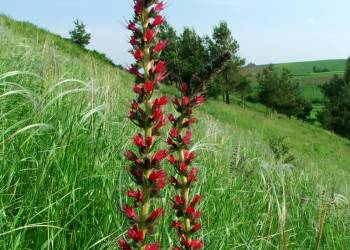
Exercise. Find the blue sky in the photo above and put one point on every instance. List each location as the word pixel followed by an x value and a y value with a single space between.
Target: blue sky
pixel 268 31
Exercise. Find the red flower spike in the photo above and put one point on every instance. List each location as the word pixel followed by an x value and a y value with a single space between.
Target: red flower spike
pixel 178 225
pixel 160 46
pixel 131 156
pixel 132 26
pixel 199 100
pixel 173 133
pixel 159 7
pixel 149 86
pixel 160 155
pixel 160 67
pixel 150 34
pixel 179 201
pixel 158 20
pixel 196 227
pixel 138 89
pixel 130 212
pixel 187 137
pixel 183 167
pixel 197 198
pixel 137 195
pixel 154 246
pixel 172 159
pixel 135 234
pixel 138 55
pixel 171 118
pixel 149 141
pixel 134 41
pixel 189 122
pixel 124 245
pixel 163 100
pixel 156 175
pixel 138 141
pixel 189 156
pixel 156 214
pixel 192 175
pixel 196 244
pixel 185 101
pixel 185 89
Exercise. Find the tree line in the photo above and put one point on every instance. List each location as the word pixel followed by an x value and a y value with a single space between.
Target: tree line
pixel 211 64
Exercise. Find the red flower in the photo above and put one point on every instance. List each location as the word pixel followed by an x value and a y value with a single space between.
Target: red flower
pixel 189 156
pixel 178 225
pixel 158 20
pixel 179 201
pixel 149 85
pixel 197 198
pixel 162 101
pixel 190 121
pixel 199 100
pixel 185 101
pixel 138 195
pixel 196 228
pixel 150 34
pixel 173 132
pixel 160 46
pixel 154 246
pixel 149 141
pixel 172 159
pixel 160 67
pixel 183 167
pixel 135 234
pixel 155 215
pixel 134 70
pixel 171 118
pixel 187 137
pixel 159 7
pixel 160 155
pixel 196 244
pixel 138 89
pixel 192 175
pixel 131 156
pixel 124 245
pixel 138 55
pixel 193 213
pixel 185 89
pixel 156 175
pixel 130 213
pixel 134 41
pixel 132 26
pixel 138 141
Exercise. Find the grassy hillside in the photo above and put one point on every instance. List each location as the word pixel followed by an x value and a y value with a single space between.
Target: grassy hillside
pixel 62 180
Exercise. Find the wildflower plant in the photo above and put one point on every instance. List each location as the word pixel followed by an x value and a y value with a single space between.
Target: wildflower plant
pixel 146 113
pixel 187 222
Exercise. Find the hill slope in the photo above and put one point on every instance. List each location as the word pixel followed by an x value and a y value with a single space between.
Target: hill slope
pixel 62 172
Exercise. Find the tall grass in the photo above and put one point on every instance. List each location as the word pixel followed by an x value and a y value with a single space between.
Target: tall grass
pixel 62 178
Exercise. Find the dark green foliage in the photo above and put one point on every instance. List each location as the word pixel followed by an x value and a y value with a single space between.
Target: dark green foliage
pixel 189 58
pixel 336 115
pixel 222 42
pixel 79 35
pixel 282 93
pixel 347 71
pixel 319 70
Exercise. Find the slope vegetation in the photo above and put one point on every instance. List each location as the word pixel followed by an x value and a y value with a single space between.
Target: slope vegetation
pixel 62 180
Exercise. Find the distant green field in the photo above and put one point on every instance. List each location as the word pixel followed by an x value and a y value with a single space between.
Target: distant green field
pixel 310 82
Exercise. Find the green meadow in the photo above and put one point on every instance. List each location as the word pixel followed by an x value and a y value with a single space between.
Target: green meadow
pixel 268 182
